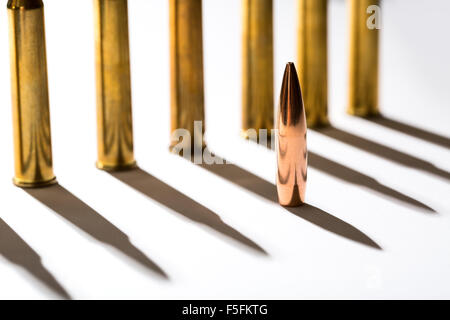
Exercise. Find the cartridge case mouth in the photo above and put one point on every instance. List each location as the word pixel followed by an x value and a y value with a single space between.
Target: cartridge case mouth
pixel 119 167
pixel 35 184
pixel 25 4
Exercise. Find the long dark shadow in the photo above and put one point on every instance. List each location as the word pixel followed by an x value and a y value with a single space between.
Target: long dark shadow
pixel 17 251
pixel 411 130
pixel 383 151
pixel 173 199
pixel 87 219
pixel 267 190
pixel 352 176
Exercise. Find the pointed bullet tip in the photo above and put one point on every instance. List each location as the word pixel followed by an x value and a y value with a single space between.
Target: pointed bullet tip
pixel 290 66
pixel 291 101
pixel 290 77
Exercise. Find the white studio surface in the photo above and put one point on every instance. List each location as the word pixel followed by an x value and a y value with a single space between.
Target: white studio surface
pixel 308 253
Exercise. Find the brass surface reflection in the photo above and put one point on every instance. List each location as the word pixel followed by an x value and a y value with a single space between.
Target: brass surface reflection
pixel 114 116
pixel 186 68
pixel 363 81
pixel 30 102
pixel 312 60
pixel 257 66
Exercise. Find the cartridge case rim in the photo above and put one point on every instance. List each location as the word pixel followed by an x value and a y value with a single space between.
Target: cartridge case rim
pixel 244 133
pixel 120 167
pixel 362 112
pixel 294 201
pixel 37 184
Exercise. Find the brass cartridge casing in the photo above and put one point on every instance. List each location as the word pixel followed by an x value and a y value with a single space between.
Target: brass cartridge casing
pixel 292 153
pixel 30 102
pixel 114 114
pixel 363 79
pixel 257 66
pixel 186 69
pixel 312 60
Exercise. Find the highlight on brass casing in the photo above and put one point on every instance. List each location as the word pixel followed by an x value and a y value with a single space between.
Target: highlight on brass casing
pixel 257 66
pixel 114 116
pixel 363 81
pixel 312 57
pixel 292 154
pixel 30 102
pixel 186 69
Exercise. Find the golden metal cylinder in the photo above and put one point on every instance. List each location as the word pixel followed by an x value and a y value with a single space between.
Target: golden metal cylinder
pixel 312 60
pixel 186 68
pixel 363 80
pixel 114 115
pixel 257 66
pixel 30 102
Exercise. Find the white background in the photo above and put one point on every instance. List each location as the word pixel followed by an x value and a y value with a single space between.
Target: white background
pixel 302 260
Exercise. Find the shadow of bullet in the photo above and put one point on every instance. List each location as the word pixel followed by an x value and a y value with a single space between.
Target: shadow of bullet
pixel 307 212
pixel 352 176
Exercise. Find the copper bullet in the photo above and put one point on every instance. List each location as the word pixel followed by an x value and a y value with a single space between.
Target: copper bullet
pixel 257 66
pixel 186 70
pixel 363 81
pixel 312 57
pixel 30 101
pixel 292 153
pixel 114 118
